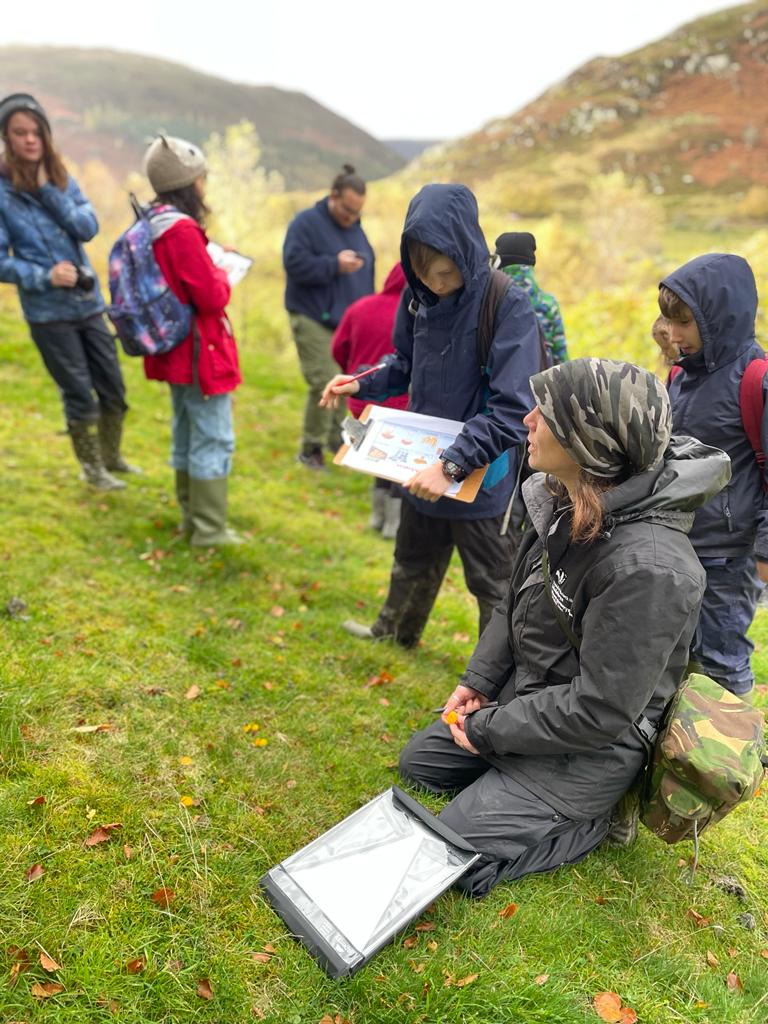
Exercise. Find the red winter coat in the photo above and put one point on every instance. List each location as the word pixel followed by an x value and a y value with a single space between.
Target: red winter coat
pixel 364 335
pixel 183 258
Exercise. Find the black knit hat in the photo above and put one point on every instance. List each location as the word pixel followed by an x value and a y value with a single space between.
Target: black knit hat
pixel 21 101
pixel 516 247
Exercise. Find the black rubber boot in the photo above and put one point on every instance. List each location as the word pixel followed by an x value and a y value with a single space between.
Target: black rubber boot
pixel 85 441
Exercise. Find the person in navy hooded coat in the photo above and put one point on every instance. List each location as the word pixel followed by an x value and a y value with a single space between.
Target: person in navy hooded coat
pixel 446 264
pixel 711 303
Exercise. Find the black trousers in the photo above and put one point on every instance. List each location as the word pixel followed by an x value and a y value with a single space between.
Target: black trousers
pixel 82 359
pixel 516 831
pixel 423 550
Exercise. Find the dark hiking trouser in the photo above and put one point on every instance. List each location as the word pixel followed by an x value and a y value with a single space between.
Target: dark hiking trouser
pixel 516 832
pixel 720 645
pixel 82 359
pixel 423 550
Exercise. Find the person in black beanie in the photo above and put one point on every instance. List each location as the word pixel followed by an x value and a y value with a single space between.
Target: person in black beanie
pixel 44 221
pixel 516 256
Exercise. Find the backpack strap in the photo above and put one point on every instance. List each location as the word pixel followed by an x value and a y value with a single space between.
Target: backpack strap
pixel 673 372
pixel 497 287
pixel 752 407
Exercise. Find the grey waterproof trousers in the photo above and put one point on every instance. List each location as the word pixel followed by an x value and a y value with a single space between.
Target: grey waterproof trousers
pixel 516 831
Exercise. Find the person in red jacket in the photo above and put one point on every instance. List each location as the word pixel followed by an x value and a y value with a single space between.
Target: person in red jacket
pixel 203 370
pixel 363 336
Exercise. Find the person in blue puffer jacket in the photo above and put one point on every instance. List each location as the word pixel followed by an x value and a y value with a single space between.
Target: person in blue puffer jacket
pixel 710 304
pixel 446 264
pixel 44 221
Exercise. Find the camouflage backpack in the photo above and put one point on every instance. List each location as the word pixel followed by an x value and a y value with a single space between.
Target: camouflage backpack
pixel 709 757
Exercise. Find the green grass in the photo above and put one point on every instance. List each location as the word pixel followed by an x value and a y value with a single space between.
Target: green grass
pixel 123 620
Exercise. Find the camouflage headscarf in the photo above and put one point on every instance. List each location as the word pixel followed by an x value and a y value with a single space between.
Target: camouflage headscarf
pixel 609 416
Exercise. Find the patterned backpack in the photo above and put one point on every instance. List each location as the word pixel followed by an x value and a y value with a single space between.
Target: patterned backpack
pixel 708 758
pixel 148 317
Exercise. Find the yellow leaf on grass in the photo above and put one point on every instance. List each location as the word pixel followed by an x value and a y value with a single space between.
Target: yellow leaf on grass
pixel 260 742
pixel 187 801
pixel 186 760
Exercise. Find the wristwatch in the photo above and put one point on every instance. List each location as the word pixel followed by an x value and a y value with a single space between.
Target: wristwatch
pixel 453 470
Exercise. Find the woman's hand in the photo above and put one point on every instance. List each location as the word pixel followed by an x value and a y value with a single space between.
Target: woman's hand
pixel 42 174
pixel 349 262
pixel 429 484
pixel 341 384
pixel 459 736
pixel 64 275
pixel 464 700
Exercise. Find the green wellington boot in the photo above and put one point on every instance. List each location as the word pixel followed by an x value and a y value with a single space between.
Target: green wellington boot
pixel 85 441
pixel 182 500
pixel 208 514
pixel 110 436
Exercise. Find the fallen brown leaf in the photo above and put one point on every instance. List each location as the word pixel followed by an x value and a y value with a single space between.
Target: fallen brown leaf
pixel 764 954
pixel 102 834
pixel 204 989
pixel 277 611
pixel 35 872
pixel 697 918
pixel 36 801
pixel 461 982
pixel 628 1015
pixel 432 946
pixel 127 852
pixel 712 959
pixel 607 1006
pixel 104 727
pixel 733 982
pixel 136 966
pixel 380 680
pixel 46 990
pixel 261 958
pixel 508 911
pixel 541 979
pixel 48 963
pixel 163 897
pixel 425 926
pixel 410 942
pixel 193 692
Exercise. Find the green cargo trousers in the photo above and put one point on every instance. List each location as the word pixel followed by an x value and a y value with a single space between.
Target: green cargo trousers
pixel 322 427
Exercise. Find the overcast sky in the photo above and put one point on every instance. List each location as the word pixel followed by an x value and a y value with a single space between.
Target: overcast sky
pixel 398 68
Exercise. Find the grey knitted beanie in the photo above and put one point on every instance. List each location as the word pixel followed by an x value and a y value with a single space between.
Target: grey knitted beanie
pixel 172 163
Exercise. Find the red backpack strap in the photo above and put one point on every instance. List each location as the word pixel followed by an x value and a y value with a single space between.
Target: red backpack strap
pixel 752 405
pixel 673 372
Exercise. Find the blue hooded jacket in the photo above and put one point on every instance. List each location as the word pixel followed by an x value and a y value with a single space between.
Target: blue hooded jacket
pixel 436 353
pixel 37 230
pixel 313 284
pixel 720 291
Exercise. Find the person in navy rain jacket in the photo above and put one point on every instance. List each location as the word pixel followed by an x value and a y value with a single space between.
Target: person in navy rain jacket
pixel 710 304
pixel 329 264
pixel 446 264
pixel 44 221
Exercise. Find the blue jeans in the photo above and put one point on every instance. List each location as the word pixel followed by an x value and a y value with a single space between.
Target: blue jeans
pixel 720 645
pixel 203 436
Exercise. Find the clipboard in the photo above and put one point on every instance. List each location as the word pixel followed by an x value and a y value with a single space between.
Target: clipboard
pixel 350 891
pixel 395 443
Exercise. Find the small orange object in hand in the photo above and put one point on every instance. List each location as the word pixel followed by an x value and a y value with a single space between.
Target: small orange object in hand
pixel 451 718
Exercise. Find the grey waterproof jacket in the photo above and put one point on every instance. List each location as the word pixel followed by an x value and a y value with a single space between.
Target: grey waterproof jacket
pixel 565 724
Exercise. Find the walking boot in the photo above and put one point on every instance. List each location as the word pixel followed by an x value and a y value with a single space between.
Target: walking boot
pixel 208 514
pixel 110 436
pixel 85 441
pixel 378 507
pixel 182 500
pixel 392 510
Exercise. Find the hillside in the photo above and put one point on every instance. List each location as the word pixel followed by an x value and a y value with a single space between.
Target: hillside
pixel 106 104
pixel 684 114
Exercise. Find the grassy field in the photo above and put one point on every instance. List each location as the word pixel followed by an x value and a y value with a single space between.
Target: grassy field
pixel 236 721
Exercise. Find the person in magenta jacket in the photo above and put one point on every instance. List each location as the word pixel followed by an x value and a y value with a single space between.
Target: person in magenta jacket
pixel 363 336
pixel 203 370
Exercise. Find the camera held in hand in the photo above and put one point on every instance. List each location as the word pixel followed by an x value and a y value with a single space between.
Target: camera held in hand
pixel 86 279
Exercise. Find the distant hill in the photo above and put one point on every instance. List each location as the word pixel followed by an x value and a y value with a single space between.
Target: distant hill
pixel 687 113
pixel 409 149
pixel 106 105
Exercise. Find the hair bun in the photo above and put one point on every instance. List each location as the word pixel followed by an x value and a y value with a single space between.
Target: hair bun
pixel 348 168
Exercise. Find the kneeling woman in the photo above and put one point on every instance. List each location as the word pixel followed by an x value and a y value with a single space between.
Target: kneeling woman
pixel 549 730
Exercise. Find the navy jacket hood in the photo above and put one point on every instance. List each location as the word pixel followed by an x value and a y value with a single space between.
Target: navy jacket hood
pixel 446 218
pixel 720 290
